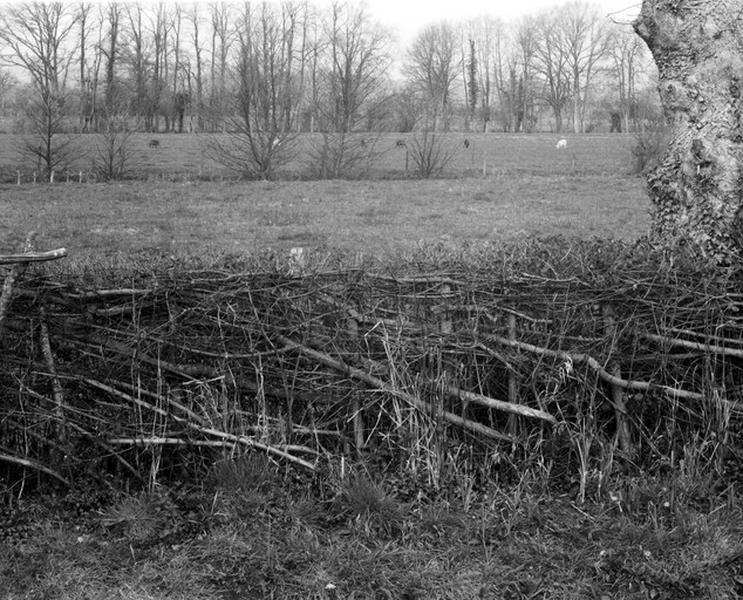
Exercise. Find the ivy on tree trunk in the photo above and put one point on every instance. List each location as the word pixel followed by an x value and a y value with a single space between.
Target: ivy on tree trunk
pixel 697 190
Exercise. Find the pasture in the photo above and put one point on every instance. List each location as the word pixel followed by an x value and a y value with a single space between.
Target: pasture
pixel 529 188
pixel 191 156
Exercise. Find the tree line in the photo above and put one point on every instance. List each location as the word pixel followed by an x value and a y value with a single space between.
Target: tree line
pixel 290 66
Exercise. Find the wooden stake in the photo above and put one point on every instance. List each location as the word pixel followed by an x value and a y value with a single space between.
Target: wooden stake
pixel 57 390
pixel 357 418
pixel 512 383
pixel 617 392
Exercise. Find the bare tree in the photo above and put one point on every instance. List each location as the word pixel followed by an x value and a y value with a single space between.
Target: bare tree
pixel 261 131
pixel 222 40
pixel 84 86
pixel 198 62
pixel 552 64
pixel 35 35
pixel 626 52
pixel 488 61
pixel 586 40
pixel 522 74
pixel 160 29
pixel 111 52
pixel 697 190
pixel 407 107
pixel 356 70
pixel 432 67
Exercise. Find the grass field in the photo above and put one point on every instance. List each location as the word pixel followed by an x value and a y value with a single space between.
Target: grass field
pixel 184 202
pixel 372 216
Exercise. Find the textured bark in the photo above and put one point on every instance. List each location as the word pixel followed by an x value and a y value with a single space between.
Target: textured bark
pixel 697 189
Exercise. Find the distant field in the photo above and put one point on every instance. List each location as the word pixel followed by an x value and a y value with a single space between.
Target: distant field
pixel 189 155
pixel 373 216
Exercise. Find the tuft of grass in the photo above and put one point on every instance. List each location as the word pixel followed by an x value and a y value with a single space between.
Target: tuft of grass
pixel 368 507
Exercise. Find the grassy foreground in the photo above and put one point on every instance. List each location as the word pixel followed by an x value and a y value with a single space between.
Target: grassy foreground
pixel 368 216
pixel 252 531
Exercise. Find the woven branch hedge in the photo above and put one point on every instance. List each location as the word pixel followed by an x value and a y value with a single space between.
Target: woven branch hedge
pixel 547 351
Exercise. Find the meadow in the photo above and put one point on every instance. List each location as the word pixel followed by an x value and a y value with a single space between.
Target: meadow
pixel 183 203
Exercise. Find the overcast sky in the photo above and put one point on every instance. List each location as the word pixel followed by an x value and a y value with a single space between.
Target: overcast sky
pixel 407 17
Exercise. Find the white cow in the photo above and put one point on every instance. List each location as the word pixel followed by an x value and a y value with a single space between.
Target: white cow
pixel 562 144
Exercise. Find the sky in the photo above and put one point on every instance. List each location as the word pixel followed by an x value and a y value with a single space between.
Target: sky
pixel 407 17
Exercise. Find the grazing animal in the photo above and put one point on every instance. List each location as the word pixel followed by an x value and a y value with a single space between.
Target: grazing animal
pixel 400 144
pixel 466 143
pixel 154 144
pixel 563 143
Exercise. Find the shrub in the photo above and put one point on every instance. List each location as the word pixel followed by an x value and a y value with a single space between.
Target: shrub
pixel 342 155
pixel 113 157
pixel 430 154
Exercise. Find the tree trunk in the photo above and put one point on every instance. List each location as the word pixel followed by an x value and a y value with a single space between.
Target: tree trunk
pixel 698 188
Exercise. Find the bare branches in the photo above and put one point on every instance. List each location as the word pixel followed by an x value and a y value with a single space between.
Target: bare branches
pixel 432 67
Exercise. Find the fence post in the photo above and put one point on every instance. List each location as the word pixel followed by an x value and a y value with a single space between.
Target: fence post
pixel 445 324
pixel 357 418
pixel 512 383
pixel 617 392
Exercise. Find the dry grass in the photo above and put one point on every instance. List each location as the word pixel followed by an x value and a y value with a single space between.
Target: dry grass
pixel 371 216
